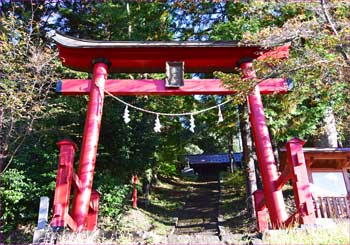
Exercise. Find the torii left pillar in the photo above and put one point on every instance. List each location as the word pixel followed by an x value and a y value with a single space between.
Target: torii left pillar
pixel 273 196
pixel 81 201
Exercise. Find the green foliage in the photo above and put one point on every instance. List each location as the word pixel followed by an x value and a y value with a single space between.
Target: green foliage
pixel 167 169
pixel 317 64
pixel 234 29
pixel 15 190
pixel 193 20
pixel 115 198
pixel 193 149
pixel 235 82
pixel 112 20
pixel 35 118
pixel 316 87
pixel 236 180
pixel 27 70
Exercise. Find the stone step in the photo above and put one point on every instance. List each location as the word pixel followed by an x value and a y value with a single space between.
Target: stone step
pixel 199 238
pixel 212 232
pixel 204 238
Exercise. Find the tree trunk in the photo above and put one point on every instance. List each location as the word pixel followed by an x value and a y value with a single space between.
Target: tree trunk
pixel 329 136
pixel 2 150
pixel 275 151
pixel 248 158
pixel 230 152
pixel 146 187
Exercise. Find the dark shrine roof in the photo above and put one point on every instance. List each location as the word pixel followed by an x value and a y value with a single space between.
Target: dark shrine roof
pixel 151 56
pixel 212 158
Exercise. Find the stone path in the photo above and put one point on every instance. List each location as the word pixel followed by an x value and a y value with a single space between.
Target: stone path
pixel 197 221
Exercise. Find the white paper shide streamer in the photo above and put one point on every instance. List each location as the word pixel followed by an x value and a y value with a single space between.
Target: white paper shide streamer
pixel 192 125
pixel 126 115
pixel 220 117
pixel 157 125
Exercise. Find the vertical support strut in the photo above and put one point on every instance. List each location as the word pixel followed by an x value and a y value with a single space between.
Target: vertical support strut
pixel 81 201
pixel 300 180
pixel 93 210
pixel 266 160
pixel 63 183
pixel 260 210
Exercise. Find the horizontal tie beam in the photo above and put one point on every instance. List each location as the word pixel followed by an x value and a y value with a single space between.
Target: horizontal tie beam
pixel 157 87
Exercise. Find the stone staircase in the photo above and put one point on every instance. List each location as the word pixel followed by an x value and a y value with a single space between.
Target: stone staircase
pixel 198 220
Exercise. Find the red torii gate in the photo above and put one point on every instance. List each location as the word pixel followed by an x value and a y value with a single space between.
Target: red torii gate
pixel 102 57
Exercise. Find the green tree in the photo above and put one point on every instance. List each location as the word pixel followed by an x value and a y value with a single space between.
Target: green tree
pixel 27 69
pixel 27 74
pixel 318 62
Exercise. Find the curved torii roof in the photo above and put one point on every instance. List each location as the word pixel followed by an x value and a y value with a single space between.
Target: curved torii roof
pixel 151 56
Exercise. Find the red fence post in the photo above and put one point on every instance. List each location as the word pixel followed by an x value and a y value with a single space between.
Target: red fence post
pixel 88 152
pixel 134 193
pixel 260 211
pixel 63 182
pixel 300 180
pixel 273 196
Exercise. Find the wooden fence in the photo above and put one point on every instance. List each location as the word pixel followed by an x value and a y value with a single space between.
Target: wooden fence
pixel 332 207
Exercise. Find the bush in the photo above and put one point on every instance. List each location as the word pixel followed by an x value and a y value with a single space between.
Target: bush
pixel 167 169
pixel 115 196
pixel 16 189
pixel 236 180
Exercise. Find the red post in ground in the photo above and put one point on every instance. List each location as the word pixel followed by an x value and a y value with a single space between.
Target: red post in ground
pixel 63 182
pixel 134 193
pixel 260 211
pixel 300 180
pixel 93 210
pixel 89 146
pixel 273 196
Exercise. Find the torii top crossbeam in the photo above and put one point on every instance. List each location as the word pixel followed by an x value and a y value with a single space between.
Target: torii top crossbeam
pixel 151 56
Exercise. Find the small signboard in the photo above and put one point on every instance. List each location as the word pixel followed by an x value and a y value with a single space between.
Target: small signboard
pixel 174 74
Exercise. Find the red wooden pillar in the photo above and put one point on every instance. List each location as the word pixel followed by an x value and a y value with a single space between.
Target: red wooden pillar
pixel 93 211
pixel 63 182
pixel 267 165
pixel 260 211
pixel 89 146
pixel 300 180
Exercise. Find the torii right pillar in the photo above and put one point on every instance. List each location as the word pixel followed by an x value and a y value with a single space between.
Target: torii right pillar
pixel 267 165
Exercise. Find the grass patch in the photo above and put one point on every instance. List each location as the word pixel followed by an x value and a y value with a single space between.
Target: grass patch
pixel 233 204
pixel 154 220
pixel 339 234
pixel 149 224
